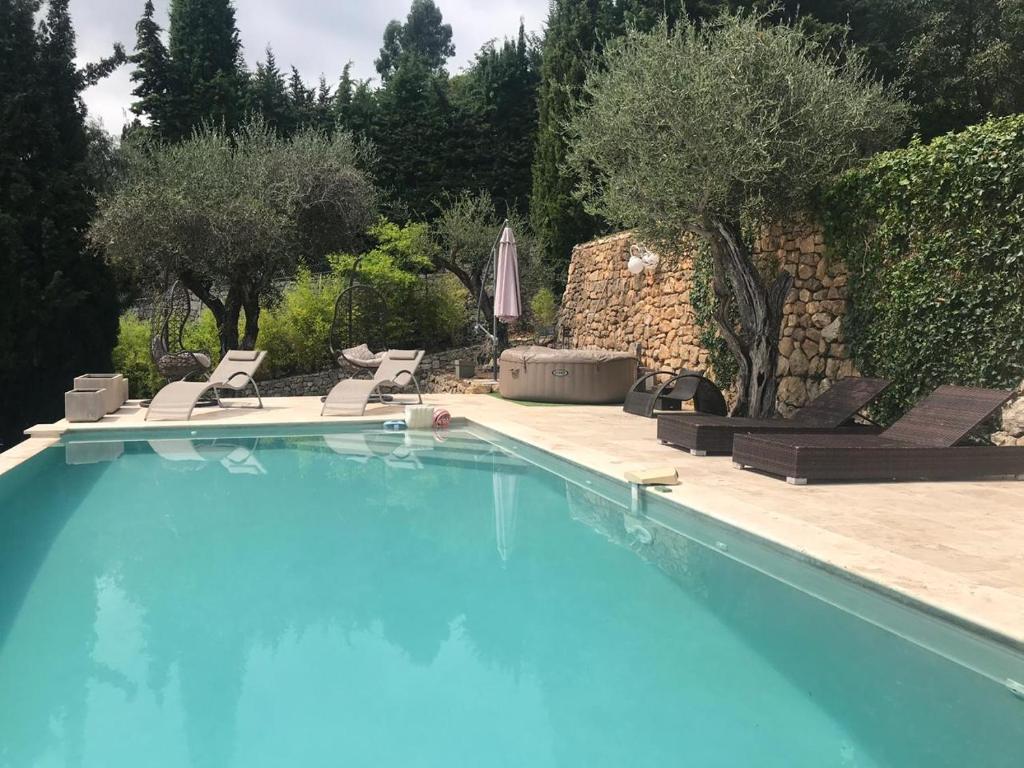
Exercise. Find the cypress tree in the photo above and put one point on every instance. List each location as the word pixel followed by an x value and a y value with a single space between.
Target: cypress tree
pixel 323 109
pixel 268 96
pixel 645 14
pixel 412 125
pixel 152 72
pixel 208 72
pixel 497 101
pixel 355 104
pixel 575 32
pixel 301 100
pixel 58 310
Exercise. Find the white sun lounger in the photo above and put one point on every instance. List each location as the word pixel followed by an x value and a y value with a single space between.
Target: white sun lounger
pixel 235 372
pixel 350 396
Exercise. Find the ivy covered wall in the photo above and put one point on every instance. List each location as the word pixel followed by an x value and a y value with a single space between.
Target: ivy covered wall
pixel 933 239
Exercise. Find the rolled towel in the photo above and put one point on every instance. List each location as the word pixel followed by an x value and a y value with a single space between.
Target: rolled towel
pixel 442 418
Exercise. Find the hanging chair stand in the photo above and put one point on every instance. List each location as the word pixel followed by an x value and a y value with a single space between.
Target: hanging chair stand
pixel 359 327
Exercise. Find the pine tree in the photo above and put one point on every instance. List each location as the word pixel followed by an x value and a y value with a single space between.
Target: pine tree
pixel 58 310
pixel 209 80
pixel 152 72
pixel 576 30
pixel 268 96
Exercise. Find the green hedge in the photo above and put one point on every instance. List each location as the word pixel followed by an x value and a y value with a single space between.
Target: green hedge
pixel 933 236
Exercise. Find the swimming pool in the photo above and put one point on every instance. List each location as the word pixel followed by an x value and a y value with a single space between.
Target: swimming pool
pixel 364 598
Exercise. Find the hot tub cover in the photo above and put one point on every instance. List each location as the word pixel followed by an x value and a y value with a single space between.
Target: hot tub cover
pixel 566 375
pixel 547 354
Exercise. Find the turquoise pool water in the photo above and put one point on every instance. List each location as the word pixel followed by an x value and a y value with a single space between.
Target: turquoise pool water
pixel 372 599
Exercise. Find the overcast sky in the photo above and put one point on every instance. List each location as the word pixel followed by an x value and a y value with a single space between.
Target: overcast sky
pixel 317 36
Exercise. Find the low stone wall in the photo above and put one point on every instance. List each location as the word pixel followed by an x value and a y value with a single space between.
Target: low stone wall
pixel 606 307
pixel 435 374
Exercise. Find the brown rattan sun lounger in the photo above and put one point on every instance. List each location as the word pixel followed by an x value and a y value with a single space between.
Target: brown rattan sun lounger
pixel 235 373
pixel 923 445
pixel 831 411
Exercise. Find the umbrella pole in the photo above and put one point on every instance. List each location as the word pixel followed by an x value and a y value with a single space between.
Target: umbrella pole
pixel 494 294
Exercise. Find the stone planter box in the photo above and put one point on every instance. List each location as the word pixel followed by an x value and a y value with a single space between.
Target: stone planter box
pixel 82 405
pixel 114 384
pixel 465 369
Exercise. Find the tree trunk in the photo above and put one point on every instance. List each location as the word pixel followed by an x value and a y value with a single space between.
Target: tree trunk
pixel 252 321
pixel 228 328
pixel 472 282
pixel 204 292
pixel 755 345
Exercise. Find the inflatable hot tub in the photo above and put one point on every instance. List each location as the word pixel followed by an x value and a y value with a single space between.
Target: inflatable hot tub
pixel 540 374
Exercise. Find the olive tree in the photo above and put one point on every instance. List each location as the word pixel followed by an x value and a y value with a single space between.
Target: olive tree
pixel 719 131
pixel 230 215
pixel 465 232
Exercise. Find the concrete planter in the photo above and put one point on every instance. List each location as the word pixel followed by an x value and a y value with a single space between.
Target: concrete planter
pixel 465 369
pixel 114 384
pixel 82 405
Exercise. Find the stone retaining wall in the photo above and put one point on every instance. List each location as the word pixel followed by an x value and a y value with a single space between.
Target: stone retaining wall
pixel 606 307
pixel 812 350
pixel 435 374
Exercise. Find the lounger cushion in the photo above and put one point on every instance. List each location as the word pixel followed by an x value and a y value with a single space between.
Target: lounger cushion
pixel 403 354
pixel 242 355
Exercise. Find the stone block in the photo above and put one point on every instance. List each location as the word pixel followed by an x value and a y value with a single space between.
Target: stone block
pixel 793 391
pixel 1013 418
pixel 821 319
pixel 831 331
pixel 798 363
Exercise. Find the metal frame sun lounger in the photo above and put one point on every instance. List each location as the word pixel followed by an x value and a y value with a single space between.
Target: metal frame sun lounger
pixel 832 411
pixel 234 373
pixel 925 444
pixel 350 396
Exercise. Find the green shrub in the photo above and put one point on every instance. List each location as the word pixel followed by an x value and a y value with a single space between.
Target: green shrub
pixel 132 358
pixel 421 310
pixel 544 307
pixel 295 331
pixel 933 236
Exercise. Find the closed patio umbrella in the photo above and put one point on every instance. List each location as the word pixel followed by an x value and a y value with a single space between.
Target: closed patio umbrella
pixel 507 307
